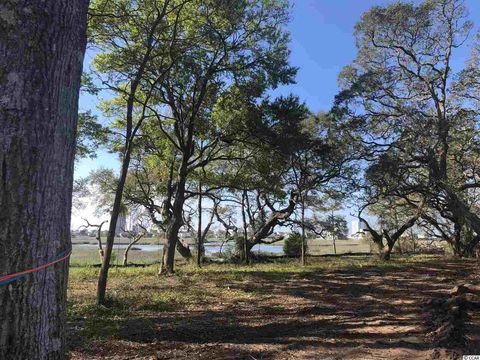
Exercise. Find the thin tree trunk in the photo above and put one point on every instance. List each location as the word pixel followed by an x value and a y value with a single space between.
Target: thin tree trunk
pixel 42 44
pixel 100 247
pixel 199 229
pixel 303 232
pixel 246 249
pixel 160 270
pixel 102 278
pixel 125 254
pixel 117 203
pixel 99 241
pixel 135 240
pixel 333 235
pixel 130 133
pixel 98 237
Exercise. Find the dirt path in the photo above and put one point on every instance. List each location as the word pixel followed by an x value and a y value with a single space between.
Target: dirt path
pixel 352 313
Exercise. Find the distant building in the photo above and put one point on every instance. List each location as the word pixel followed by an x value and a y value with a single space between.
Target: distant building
pixel 134 221
pixel 358 228
pixel 136 218
pixel 121 224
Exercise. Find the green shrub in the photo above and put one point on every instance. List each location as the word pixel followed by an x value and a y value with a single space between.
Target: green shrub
pixel 292 245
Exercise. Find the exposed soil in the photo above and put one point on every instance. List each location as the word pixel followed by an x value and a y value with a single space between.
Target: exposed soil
pixel 351 313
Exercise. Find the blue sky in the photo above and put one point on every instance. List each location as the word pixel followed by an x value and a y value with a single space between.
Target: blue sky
pixel 322 43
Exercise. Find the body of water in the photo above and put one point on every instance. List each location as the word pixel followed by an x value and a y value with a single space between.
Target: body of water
pixel 210 248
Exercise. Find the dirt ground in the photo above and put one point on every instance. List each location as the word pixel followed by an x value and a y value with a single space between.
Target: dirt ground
pixel 349 312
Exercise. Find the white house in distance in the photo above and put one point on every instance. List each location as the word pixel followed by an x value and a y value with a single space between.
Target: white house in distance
pixel 358 229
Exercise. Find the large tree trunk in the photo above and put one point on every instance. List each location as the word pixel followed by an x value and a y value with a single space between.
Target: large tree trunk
pixel 183 249
pixel 175 223
pixel 384 247
pixel 461 211
pixel 456 241
pixel 469 250
pixel 42 44
pixel 386 252
pixel 168 260
pixel 380 246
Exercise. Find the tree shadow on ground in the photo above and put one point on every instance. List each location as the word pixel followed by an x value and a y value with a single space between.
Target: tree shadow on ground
pixel 377 311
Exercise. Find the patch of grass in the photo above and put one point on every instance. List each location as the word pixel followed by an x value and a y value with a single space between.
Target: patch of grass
pixel 138 292
pixel 97 322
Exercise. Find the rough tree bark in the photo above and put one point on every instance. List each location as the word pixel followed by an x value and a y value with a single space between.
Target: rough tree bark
pixel 42 44
pixel 175 222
